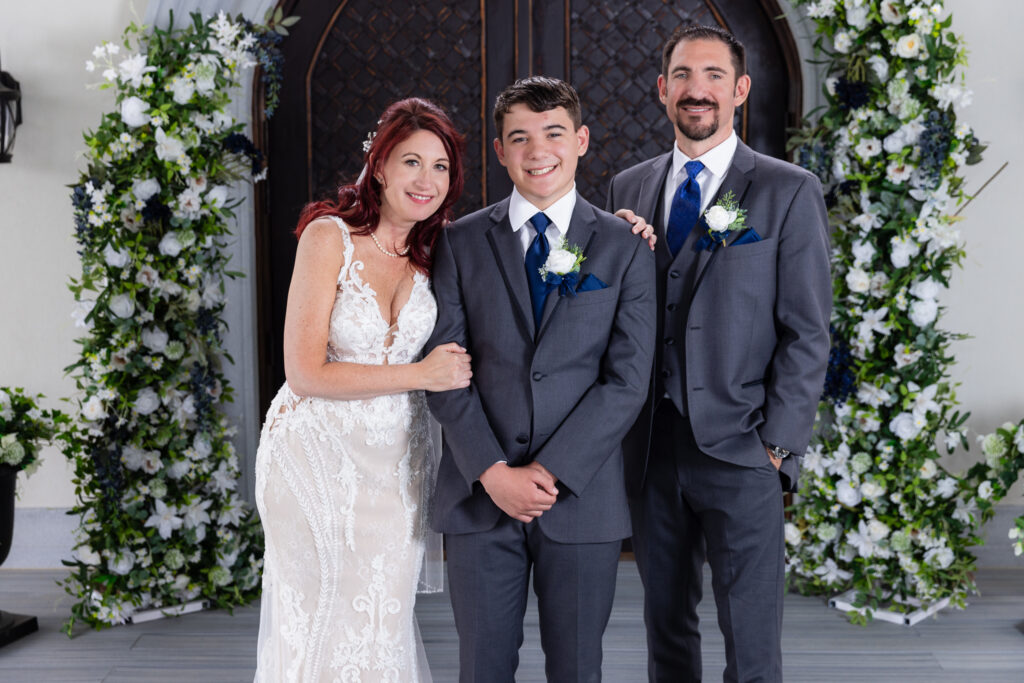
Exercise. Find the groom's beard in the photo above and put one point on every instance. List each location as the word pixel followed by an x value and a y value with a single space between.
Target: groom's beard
pixel 696 131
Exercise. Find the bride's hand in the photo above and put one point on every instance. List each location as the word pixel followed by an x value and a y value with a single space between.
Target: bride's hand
pixel 446 367
pixel 640 226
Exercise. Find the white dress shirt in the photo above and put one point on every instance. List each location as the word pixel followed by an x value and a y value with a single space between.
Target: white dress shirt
pixel 520 211
pixel 716 160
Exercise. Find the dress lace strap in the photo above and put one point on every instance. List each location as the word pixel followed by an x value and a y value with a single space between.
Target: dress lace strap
pixel 349 249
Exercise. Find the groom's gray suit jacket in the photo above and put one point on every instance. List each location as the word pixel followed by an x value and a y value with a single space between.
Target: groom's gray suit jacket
pixel 563 395
pixel 750 331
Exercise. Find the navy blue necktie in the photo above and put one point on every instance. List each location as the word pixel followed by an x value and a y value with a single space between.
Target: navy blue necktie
pixel 685 208
pixel 536 255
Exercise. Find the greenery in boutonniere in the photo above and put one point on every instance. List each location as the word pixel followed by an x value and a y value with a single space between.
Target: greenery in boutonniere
pixel 724 218
pixel 156 477
pixel 24 427
pixel 876 513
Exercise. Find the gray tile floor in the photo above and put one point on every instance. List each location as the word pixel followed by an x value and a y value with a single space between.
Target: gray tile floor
pixel 984 643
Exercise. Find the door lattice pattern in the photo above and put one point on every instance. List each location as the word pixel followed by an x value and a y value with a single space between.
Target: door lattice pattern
pixel 375 54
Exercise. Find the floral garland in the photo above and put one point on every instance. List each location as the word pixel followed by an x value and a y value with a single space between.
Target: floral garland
pixel 876 513
pixel 155 475
pixel 24 427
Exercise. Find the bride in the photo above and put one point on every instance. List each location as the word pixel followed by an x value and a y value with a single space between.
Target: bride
pixel 345 464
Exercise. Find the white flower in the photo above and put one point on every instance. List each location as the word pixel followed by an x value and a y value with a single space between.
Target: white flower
pixel 879 66
pixel 857 16
pixel 872 490
pixel 93 409
pixel 793 534
pixel 151 463
pixel 164 519
pixel 879 282
pixel 940 557
pixel 217 196
pixel 133 112
pixel 719 218
pixel 86 555
pixel 926 289
pixel 928 469
pixel 877 530
pixel 196 513
pixel 189 205
pixel 90 65
pixel 908 46
pixel 905 427
pixel 178 469
pixel 903 250
pixel 123 562
pixel 822 9
pixel 923 313
pixel 946 487
pixel 146 401
pixel 985 490
pixel 154 339
pixel 890 12
pixel 168 148
pixel 81 312
pixel 863 252
pixel 144 188
pixel 116 258
pixel 223 478
pixel 925 401
pixel 857 280
pixel 170 244
pixel 122 306
pixel 868 148
pixel 898 172
pixel 133 68
pixel 842 41
pixel 950 94
pixel 862 541
pixel 560 261
pixel 846 493
pixel 183 89
pixel 830 572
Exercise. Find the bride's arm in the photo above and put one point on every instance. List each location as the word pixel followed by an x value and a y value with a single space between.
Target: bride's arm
pixel 306 325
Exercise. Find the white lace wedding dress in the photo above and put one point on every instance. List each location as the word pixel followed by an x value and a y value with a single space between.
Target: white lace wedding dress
pixel 342 488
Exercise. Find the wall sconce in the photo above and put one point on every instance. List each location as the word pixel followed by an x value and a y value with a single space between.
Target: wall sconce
pixel 10 114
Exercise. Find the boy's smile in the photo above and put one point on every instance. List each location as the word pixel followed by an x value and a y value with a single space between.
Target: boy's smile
pixel 541 150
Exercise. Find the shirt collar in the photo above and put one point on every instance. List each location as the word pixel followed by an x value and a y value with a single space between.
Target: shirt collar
pixel 716 160
pixel 520 211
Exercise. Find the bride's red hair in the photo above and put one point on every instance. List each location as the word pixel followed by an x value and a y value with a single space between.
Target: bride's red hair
pixel 358 204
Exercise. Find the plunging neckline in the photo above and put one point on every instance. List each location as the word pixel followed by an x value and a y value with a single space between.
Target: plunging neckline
pixel 364 286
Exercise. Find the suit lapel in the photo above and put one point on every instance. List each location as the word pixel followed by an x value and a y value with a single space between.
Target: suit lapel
pixel 737 181
pixel 580 233
pixel 508 252
pixel 648 197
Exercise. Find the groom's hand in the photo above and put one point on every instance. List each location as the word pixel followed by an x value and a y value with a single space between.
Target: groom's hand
pixel 522 493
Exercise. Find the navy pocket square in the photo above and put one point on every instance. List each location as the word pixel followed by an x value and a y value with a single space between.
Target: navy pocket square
pixel 749 235
pixel 590 283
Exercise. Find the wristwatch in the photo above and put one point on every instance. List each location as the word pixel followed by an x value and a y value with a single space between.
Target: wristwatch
pixel 777 451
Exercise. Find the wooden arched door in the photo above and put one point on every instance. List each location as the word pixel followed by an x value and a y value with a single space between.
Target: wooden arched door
pixel 346 60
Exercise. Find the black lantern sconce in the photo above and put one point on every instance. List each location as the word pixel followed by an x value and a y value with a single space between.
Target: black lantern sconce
pixel 10 114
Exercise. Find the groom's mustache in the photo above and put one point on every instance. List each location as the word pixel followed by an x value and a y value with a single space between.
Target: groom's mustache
pixel 696 103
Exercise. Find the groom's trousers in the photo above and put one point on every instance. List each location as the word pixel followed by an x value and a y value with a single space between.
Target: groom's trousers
pixel 694 507
pixel 489 576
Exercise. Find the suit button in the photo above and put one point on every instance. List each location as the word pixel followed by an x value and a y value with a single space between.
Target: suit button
pixel 666 373
pixel 669 341
pixel 674 274
pixel 537 377
pixel 671 307
pixel 522 439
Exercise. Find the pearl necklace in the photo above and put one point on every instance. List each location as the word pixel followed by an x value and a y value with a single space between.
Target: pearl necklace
pixel 401 252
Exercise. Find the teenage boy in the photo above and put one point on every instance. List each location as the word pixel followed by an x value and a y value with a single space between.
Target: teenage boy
pixel 531 477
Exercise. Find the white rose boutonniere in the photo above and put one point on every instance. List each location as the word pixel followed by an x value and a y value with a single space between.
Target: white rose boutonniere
pixel 723 219
pixel 562 267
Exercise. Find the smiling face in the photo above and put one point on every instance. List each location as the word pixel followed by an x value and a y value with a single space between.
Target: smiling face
pixel 540 150
pixel 700 93
pixel 414 179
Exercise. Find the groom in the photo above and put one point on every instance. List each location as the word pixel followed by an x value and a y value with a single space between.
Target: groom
pixel 530 478
pixel 744 301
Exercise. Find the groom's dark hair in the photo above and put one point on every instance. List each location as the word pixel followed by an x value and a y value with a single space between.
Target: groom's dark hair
pixel 539 93
pixel 697 32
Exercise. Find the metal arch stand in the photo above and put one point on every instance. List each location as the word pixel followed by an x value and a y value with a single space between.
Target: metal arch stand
pixel 844 602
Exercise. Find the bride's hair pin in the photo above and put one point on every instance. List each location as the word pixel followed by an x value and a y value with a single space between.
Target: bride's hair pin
pixel 368 142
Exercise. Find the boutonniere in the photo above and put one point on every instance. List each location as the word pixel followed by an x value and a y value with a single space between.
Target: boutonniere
pixel 562 268
pixel 723 219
